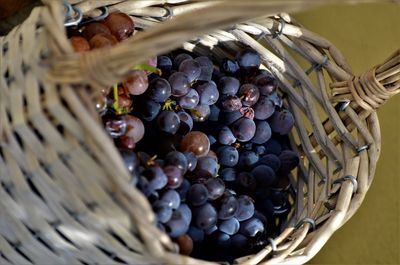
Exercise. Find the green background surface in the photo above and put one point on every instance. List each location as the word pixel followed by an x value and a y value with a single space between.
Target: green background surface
pixel 367 34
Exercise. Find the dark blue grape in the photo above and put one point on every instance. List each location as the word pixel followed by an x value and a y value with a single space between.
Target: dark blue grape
pixel 228 85
pixel 239 241
pixel 190 100
pixel 168 121
pixel 270 160
pixel 186 123
pixel 191 68
pixel 247 181
pixel 211 230
pixel 156 177
pixel 230 226
pixel 207 68
pixel 245 209
pixel 191 160
pixel 177 225
pixel 196 234
pixel 249 94
pixel 164 63
pixel 289 160
pixel 185 212
pixel 180 58
pixel 200 113
pixel 228 208
pixel 131 161
pixel 276 99
pixel 282 122
pixel 228 174
pixel 180 84
pixel 247 159
pixel 265 206
pixel 228 118
pixel 172 198
pixel 197 194
pixel 178 159
pixel 264 108
pixel 205 216
pixel 264 175
pixel 265 82
pixel 260 150
pixel 215 187
pixel 263 132
pixel 211 139
pixel 163 211
pixel 183 189
pixel 220 239
pixel 251 227
pixel 244 129
pixel 229 66
pixel 149 110
pixel 226 136
pixel 248 58
pixel 231 103
pixel 273 147
pixel 206 167
pixel 174 176
pixel 214 113
pixel 228 156
pixel 261 217
pixel 159 90
pixel 208 93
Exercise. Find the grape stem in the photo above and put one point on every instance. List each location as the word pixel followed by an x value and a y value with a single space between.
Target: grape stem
pixel 147 67
pixel 116 100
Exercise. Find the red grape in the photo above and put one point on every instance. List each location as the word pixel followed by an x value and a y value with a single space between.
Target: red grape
pixel 137 83
pixel 93 29
pixel 196 142
pixel 120 24
pixel 102 40
pixel 79 44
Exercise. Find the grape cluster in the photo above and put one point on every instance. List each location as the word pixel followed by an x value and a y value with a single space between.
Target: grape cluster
pixel 206 145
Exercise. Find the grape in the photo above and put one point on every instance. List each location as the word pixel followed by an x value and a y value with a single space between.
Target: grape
pixel 248 58
pixel 159 90
pixel 278 199
pixel 204 216
pixel 120 24
pixel 289 160
pixel 171 197
pixel 125 142
pixel 196 142
pixel 200 113
pixel 137 82
pixel 186 122
pixel 206 167
pixel 190 100
pixel 183 189
pixel 265 206
pixel 221 239
pixel 215 187
pixel 229 66
pixel 247 181
pixel 264 108
pixel 134 128
pixel 191 68
pixel 273 147
pixel 180 84
pixel 156 177
pixel 125 102
pixel 260 150
pixel 79 44
pixel 208 93
pixel 264 175
pixel 228 174
pixel 168 121
pixel 177 225
pixel 231 103
pixel 196 234
pixel 226 136
pixel 282 122
pixel 115 127
pixel 149 109
pixel 228 118
pixel 230 226
pixel 263 132
pixel 93 29
pixel 270 160
pixel 244 129
pixel 228 156
pixel 191 160
pixel 102 40
pixel 186 213
pixel 131 161
pixel 251 227
pixel 211 230
pixel 214 113
pixel 163 211
pixel 228 208
pixel 249 94
pixel 197 194
pixel 266 83
pixel 228 85
pixel 180 58
pixel 164 63
pixel 174 175
pixel 239 241
pixel 245 209
pixel 185 244
pixel 247 159
pixel 211 139
pixel 206 66
pixel 213 155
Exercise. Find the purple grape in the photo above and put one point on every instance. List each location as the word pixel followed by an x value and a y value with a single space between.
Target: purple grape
pixel 172 198
pixel 180 58
pixel 221 239
pixel 282 122
pixel 273 147
pixel 228 174
pixel 211 230
pixel 159 90
pixel 289 160
pixel 206 167
pixel 251 227
pixel 239 241
pixel 228 156
pixel 163 211
pixel 178 159
pixel 263 132
pixel 191 160
pixel 168 121
pixel 245 209
pixel 183 189
pixel 211 139
pixel 260 150
pixel 249 94
pixel 164 63
pixel 228 208
pixel 230 226
pixel 229 66
pixel 228 118
pixel 186 123
pixel 231 103
pixel 156 177
pixel 276 99
pixel 131 161
pixel 208 93
pixel 174 175
pixel 180 84
pixel 196 234
pixel 247 159
pixel 214 113
pixel 116 127
pixel 149 110
pixel 264 175
pixel 263 109
pixel 177 225
pixel 200 113
pixel 215 187
pixel 270 160
pixel 244 129
pixel 205 216
pixel 247 181
pixel 206 66
pixel 191 68
pixel 226 136
pixel 197 194
pixel 228 85
pixel 186 213
pixel 248 58
pixel 265 82
pixel 190 100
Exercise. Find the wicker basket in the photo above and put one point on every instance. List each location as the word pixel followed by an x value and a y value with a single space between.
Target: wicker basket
pixel 65 196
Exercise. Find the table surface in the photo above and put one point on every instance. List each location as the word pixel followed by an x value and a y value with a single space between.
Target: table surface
pixel 366 34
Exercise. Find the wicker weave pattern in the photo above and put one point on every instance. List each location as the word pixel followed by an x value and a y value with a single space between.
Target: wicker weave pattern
pixel 65 196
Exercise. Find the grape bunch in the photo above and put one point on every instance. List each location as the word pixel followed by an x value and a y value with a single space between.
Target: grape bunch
pixel 207 145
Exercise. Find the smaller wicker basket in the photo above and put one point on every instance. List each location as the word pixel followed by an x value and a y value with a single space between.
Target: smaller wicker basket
pixel 65 195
